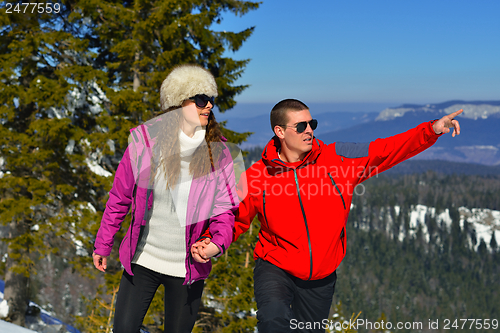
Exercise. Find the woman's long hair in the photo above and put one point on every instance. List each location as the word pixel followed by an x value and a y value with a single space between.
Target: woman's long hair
pixel 204 158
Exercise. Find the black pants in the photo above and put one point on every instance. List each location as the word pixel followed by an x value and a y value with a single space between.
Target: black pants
pixel 136 293
pixel 286 303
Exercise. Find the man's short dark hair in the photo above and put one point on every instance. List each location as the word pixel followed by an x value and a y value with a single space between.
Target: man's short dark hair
pixel 279 113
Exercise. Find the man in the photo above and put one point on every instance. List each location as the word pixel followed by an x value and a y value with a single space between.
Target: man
pixel 302 190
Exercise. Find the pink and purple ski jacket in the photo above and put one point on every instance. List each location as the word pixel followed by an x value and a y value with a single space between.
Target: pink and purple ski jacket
pixel 212 201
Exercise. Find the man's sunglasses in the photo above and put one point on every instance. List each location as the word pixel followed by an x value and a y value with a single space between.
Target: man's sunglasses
pixel 301 127
pixel 202 100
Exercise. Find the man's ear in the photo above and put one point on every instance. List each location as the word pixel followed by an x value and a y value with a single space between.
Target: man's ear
pixel 279 131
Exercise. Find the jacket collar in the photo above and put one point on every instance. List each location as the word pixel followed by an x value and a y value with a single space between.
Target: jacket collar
pixel 271 158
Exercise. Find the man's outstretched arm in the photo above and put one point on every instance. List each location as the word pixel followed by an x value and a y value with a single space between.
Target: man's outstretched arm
pixel 385 153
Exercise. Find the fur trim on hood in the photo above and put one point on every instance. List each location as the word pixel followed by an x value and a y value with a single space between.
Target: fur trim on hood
pixel 185 81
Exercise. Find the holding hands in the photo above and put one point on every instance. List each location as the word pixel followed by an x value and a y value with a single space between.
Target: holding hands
pixel 203 250
pixel 444 124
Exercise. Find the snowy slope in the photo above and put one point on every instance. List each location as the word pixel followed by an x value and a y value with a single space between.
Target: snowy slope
pixel 6 327
pixel 472 110
pixel 485 222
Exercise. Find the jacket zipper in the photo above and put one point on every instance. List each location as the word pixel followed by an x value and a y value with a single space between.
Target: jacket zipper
pixel 340 193
pixel 305 222
pixel 264 207
pixel 343 203
pixel 190 258
pixel 189 267
pixel 342 239
pixel 132 219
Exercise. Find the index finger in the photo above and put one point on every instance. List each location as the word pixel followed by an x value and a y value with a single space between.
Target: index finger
pixel 456 113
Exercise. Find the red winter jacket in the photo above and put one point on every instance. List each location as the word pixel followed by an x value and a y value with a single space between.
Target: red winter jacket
pixel 303 207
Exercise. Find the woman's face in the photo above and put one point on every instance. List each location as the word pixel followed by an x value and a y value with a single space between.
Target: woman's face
pixel 195 116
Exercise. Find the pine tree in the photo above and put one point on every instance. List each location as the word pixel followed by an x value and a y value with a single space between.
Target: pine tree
pixel 46 184
pixel 493 243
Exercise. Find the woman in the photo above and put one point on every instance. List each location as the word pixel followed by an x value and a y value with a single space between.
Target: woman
pixel 177 177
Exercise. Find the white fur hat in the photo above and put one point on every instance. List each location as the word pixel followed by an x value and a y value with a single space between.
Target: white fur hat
pixel 185 81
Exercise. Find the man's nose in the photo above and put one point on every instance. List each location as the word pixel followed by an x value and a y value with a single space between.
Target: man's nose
pixel 308 128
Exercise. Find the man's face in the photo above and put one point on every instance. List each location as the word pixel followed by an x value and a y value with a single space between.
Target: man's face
pixel 300 143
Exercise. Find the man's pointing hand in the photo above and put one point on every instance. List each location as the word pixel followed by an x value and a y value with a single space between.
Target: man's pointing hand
pixel 444 124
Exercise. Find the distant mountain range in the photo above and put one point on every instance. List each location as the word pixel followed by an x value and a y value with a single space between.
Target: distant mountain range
pixel 480 125
pixel 472 110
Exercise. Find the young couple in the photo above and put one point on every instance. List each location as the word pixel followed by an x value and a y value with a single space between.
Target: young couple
pixel 178 179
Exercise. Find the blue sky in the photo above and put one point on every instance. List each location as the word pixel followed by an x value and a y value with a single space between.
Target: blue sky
pixel 380 52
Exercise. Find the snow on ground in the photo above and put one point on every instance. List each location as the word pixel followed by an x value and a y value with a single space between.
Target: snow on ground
pixel 96 168
pixel 485 222
pixel 6 327
pixel 4 307
pixel 417 218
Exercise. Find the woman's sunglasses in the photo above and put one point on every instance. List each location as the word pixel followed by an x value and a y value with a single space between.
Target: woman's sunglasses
pixel 301 127
pixel 202 100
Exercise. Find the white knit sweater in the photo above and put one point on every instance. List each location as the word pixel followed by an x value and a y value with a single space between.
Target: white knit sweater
pixel 162 248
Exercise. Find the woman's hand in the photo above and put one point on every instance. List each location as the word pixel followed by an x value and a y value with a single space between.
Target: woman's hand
pixel 203 250
pixel 100 262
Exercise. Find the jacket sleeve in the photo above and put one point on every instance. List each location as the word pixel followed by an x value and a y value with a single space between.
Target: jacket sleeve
pixel 225 205
pixel 385 153
pixel 117 206
pixel 247 210
pixel 245 213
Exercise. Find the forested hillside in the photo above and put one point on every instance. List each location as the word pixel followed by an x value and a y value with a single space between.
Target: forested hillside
pixel 438 270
